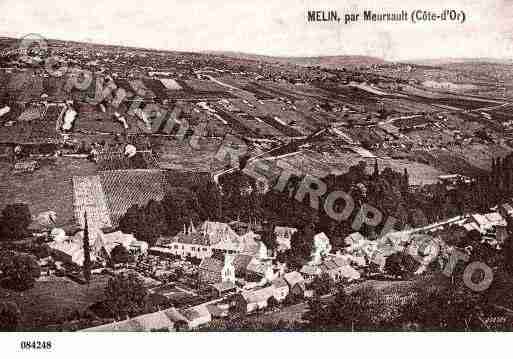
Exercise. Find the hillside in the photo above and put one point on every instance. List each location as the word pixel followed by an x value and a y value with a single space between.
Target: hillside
pixel 323 61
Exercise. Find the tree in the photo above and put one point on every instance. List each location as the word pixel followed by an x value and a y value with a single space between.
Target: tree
pixel 9 316
pixel 86 268
pixel 272 303
pixel 301 247
pixel 15 221
pixel 129 223
pixel 268 237
pixel 322 285
pixel 316 314
pixel 507 249
pixel 394 264
pixel 145 223
pixel 125 295
pixel 179 272
pixel 350 311
pixel 154 223
pixel 19 270
pixel 120 255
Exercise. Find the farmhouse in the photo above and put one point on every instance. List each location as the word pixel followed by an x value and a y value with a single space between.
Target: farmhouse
pixel 250 301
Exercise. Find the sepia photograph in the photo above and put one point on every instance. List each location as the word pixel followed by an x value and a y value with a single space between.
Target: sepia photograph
pixel 228 167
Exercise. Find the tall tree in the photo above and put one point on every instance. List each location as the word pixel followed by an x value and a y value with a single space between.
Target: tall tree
pixel 86 268
pixel 375 174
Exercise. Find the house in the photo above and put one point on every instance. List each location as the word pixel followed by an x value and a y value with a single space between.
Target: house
pixel 258 269
pixel 338 268
pixel 113 239
pixel 310 272
pixel 253 247
pixel 219 310
pixel 241 262
pixel 71 249
pixel 218 232
pixel 496 219
pixel 68 252
pixel 228 272
pixel 169 319
pixel 506 210
pixel 210 271
pixel 296 283
pixel 211 238
pixel 321 247
pixel 487 221
pixel 213 270
pixel 26 166
pixel 355 241
pixel 224 288
pixel 281 289
pixel 239 244
pixel 253 300
pixel 191 244
pixel 69 119
pixel 196 316
pixel 283 237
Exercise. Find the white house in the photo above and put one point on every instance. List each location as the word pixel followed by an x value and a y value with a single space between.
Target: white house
pixel 283 237
pixel 191 243
pixel 321 248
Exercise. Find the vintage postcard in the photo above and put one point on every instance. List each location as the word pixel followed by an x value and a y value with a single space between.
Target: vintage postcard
pixel 240 166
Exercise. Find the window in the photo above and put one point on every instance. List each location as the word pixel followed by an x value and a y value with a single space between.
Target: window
pixel 205 249
pixel 176 246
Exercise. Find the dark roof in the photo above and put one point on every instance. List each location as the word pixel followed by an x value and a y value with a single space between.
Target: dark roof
pixel 212 265
pixel 258 295
pixel 258 267
pixel 193 238
pixel 240 262
pixel 223 286
pixel 279 282
pixel 309 269
pixel 294 278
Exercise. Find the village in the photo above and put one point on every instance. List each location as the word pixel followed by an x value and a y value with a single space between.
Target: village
pixel 122 205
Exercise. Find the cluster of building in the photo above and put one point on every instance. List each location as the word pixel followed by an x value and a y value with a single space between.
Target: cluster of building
pixel 70 249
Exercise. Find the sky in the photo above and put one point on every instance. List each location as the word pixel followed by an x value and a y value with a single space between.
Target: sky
pixel 276 28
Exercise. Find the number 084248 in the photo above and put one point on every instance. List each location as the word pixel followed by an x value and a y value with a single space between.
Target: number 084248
pixel 35 345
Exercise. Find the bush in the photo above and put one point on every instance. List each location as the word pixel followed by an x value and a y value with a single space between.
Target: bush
pixel 20 270
pixel 15 221
pixel 120 255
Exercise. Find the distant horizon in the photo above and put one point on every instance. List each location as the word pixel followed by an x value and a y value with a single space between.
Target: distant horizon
pixel 271 28
pixel 232 52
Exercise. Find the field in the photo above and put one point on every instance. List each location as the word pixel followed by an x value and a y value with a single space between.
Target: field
pixel 181 156
pixel 49 188
pixel 52 301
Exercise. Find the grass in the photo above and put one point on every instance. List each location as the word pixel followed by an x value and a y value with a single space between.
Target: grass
pixel 54 300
